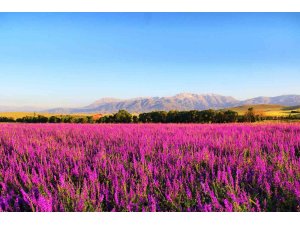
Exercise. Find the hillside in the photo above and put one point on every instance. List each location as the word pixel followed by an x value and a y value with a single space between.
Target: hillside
pixel 286 100
pixel 297 107
pixel 266 109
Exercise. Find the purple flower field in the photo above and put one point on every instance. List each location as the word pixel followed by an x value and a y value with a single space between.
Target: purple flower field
pixel 149 167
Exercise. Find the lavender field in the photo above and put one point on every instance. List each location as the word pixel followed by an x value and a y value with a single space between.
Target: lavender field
pixel 138 167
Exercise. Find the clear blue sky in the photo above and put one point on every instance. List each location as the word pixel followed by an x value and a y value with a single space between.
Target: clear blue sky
pixel 72 59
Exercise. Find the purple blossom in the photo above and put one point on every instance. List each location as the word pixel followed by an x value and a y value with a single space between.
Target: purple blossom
pixel 149 167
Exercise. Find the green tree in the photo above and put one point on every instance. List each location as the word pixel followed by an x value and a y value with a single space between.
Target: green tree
pixel 145 118
pixel 90 119
pixel 158 116
pixel 54 119
pixel 122 117
pixel 208 116
pixel 7 119
pixel 250 115
pixel 172 117
pixel 135 119
pixel 230 116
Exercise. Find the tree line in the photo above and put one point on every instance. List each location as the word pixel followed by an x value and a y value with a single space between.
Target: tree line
pixel 173 116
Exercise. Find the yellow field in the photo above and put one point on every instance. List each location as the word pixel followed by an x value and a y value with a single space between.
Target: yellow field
pixel 267 110
pixel 17 115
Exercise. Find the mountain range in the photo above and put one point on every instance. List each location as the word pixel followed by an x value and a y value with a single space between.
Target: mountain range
pixel 183 101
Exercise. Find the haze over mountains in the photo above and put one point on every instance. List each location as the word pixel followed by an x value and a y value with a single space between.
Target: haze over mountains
pixel 183 101
pixel 4 108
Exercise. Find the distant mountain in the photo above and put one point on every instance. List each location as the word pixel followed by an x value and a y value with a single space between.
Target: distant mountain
pixel 183 101
pixel 286 100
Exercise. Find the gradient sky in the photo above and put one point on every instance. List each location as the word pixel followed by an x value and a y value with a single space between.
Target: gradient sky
pixel 73 59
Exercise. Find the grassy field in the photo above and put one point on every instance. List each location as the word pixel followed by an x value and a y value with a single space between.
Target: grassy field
pixel 268 110
pixel 17 115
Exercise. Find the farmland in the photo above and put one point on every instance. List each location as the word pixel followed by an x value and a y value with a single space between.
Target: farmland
pixel 17 115
pixel 150 167
pixel 268 109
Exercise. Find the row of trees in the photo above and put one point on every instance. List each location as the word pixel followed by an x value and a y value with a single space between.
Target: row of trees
pixel 122 116
pixel 6 119
pixel 193 116
pixel 54 119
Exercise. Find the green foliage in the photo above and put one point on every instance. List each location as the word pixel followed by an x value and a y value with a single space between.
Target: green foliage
pixel 154 117
pixel 54 119
pixel 6 119
pixel 228 116
pixel 135 119
pixel 192 116
pixel 122 117
pixel 33 119
pixel 173 116
pixel 250 115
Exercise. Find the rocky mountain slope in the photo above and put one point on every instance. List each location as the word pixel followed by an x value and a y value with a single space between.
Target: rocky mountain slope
pixel 183 101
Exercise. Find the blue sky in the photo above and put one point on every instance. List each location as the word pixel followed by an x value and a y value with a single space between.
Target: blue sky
pixel 73 59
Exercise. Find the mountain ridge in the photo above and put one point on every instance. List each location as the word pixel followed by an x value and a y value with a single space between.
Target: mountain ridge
pixel 181 101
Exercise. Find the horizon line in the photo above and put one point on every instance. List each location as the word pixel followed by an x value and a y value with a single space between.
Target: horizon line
pixel 141 97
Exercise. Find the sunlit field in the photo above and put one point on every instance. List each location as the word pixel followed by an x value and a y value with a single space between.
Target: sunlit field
pixel 149 167
pixel 17 115
pixel 268 110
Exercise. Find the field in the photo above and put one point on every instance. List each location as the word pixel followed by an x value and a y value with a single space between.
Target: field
pixel 268 110
pixel 152 167
pixel 265 109
pixel 17 115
